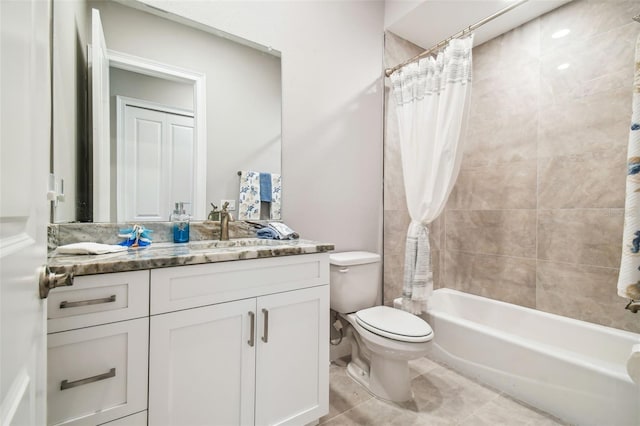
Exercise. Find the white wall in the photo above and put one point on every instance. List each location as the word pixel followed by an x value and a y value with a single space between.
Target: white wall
pixel 332 107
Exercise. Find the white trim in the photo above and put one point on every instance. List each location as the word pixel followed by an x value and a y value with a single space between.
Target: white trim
pixel 170 72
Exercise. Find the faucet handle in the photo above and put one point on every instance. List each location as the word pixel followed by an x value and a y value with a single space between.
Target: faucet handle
pixel 224 206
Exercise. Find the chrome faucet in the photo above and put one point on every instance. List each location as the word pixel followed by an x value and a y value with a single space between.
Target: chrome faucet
pixel 225 218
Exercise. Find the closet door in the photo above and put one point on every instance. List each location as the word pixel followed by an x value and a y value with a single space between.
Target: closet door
pixel 292 371
pixel 202 366
pixel 155 162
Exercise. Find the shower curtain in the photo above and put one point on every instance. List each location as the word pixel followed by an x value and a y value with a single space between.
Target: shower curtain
pixel 629 277
pixel 432 98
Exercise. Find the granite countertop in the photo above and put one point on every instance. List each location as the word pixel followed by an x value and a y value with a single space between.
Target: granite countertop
pixel 161 255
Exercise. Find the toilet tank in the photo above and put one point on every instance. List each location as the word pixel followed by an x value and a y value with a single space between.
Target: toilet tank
pixel 355 280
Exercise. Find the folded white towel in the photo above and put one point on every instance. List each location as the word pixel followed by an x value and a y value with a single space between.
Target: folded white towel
pixel 90 248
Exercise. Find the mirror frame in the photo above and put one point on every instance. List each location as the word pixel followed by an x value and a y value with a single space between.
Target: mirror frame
pixel 145 66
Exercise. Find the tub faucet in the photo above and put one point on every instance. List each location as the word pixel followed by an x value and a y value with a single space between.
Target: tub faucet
pixel 633 306
pixel 225 218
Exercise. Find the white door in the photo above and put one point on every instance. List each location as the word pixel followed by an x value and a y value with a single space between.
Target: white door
pixel 25 107
pixel 293 330
pixel 100 121
pixel 156 159
pixel 202 366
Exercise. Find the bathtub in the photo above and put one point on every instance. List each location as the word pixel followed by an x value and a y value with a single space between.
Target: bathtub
pixel 571 369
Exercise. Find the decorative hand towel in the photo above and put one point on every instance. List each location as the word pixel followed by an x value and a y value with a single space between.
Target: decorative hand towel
pixel 265 187
pixel 629 276
pixel 276 197
pixel 89 248
pixel 249 206
pixel 267 233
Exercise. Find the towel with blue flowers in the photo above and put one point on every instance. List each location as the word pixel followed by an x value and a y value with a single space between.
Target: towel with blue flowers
pixel 258 187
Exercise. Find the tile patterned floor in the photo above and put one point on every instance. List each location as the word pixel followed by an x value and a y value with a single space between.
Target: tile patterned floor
pixel 442 397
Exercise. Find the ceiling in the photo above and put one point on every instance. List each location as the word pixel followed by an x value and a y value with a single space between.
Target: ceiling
pixel 427 22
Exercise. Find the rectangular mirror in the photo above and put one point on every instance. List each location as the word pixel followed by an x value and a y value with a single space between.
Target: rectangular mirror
pixel 160 110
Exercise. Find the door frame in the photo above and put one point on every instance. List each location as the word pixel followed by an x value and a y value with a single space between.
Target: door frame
pixel 199 174
pixel 152 68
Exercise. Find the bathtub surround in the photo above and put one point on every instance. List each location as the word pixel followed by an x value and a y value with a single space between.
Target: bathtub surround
pixel 432 106
pixel 629 278
pixel 536 215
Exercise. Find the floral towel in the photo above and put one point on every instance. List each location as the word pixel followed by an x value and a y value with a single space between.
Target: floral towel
pixel 276 197
pixel 629 277
pixel 249 203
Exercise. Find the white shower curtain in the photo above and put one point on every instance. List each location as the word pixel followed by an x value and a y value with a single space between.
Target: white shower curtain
pixel 629 276
pixel 432 98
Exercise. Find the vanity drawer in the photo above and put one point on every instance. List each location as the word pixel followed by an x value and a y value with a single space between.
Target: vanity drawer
pixel 187 287
pixel 97 374
pixel 98 299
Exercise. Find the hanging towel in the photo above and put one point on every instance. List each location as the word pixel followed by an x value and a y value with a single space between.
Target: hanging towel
pixel 276 197
pixel 249 199
pixel 418 277
pixel 629 276
pixel 265 187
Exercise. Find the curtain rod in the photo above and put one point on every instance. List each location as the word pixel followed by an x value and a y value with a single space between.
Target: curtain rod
pixel 462 33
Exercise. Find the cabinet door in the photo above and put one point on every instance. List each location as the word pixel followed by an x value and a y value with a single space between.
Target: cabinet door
pixel 202 366
pixel 292 369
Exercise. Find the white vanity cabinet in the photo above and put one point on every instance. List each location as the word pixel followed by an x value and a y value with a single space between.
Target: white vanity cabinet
pixel 97 350
pixel 240 343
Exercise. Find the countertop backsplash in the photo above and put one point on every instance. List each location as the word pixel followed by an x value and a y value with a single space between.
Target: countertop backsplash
pixel 107 233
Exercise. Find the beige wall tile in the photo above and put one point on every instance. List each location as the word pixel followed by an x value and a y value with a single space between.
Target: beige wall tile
pixel 490 141
pixel 589 125
pixel 590 180
pixel 509 279
pixel 393 273
pixel 585 19
pixel 507 186
pixel 396 223
pixel 504 232
pixel 588 59
pixel 589 236
pixel 583 292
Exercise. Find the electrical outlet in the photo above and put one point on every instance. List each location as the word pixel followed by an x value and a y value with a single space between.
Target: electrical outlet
pixel 232 204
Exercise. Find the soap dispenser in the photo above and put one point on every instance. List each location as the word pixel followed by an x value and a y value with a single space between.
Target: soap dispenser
pixel 180 222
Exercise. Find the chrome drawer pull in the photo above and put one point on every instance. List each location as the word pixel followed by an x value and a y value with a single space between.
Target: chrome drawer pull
pixel 64 304
pixel 68 385
pixel 265 338
pixel 252 318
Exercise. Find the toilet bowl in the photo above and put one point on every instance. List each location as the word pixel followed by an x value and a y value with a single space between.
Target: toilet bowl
pixel 383 339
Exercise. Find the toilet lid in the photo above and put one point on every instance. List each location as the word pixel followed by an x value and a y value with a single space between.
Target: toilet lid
pixel 394 324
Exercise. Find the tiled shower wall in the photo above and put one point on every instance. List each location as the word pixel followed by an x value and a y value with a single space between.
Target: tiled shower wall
pixel 536 215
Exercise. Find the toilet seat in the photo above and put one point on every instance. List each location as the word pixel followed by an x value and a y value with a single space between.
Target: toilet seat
pixel 394 324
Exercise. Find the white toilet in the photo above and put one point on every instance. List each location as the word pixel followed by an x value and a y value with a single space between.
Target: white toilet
pixel 384 339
